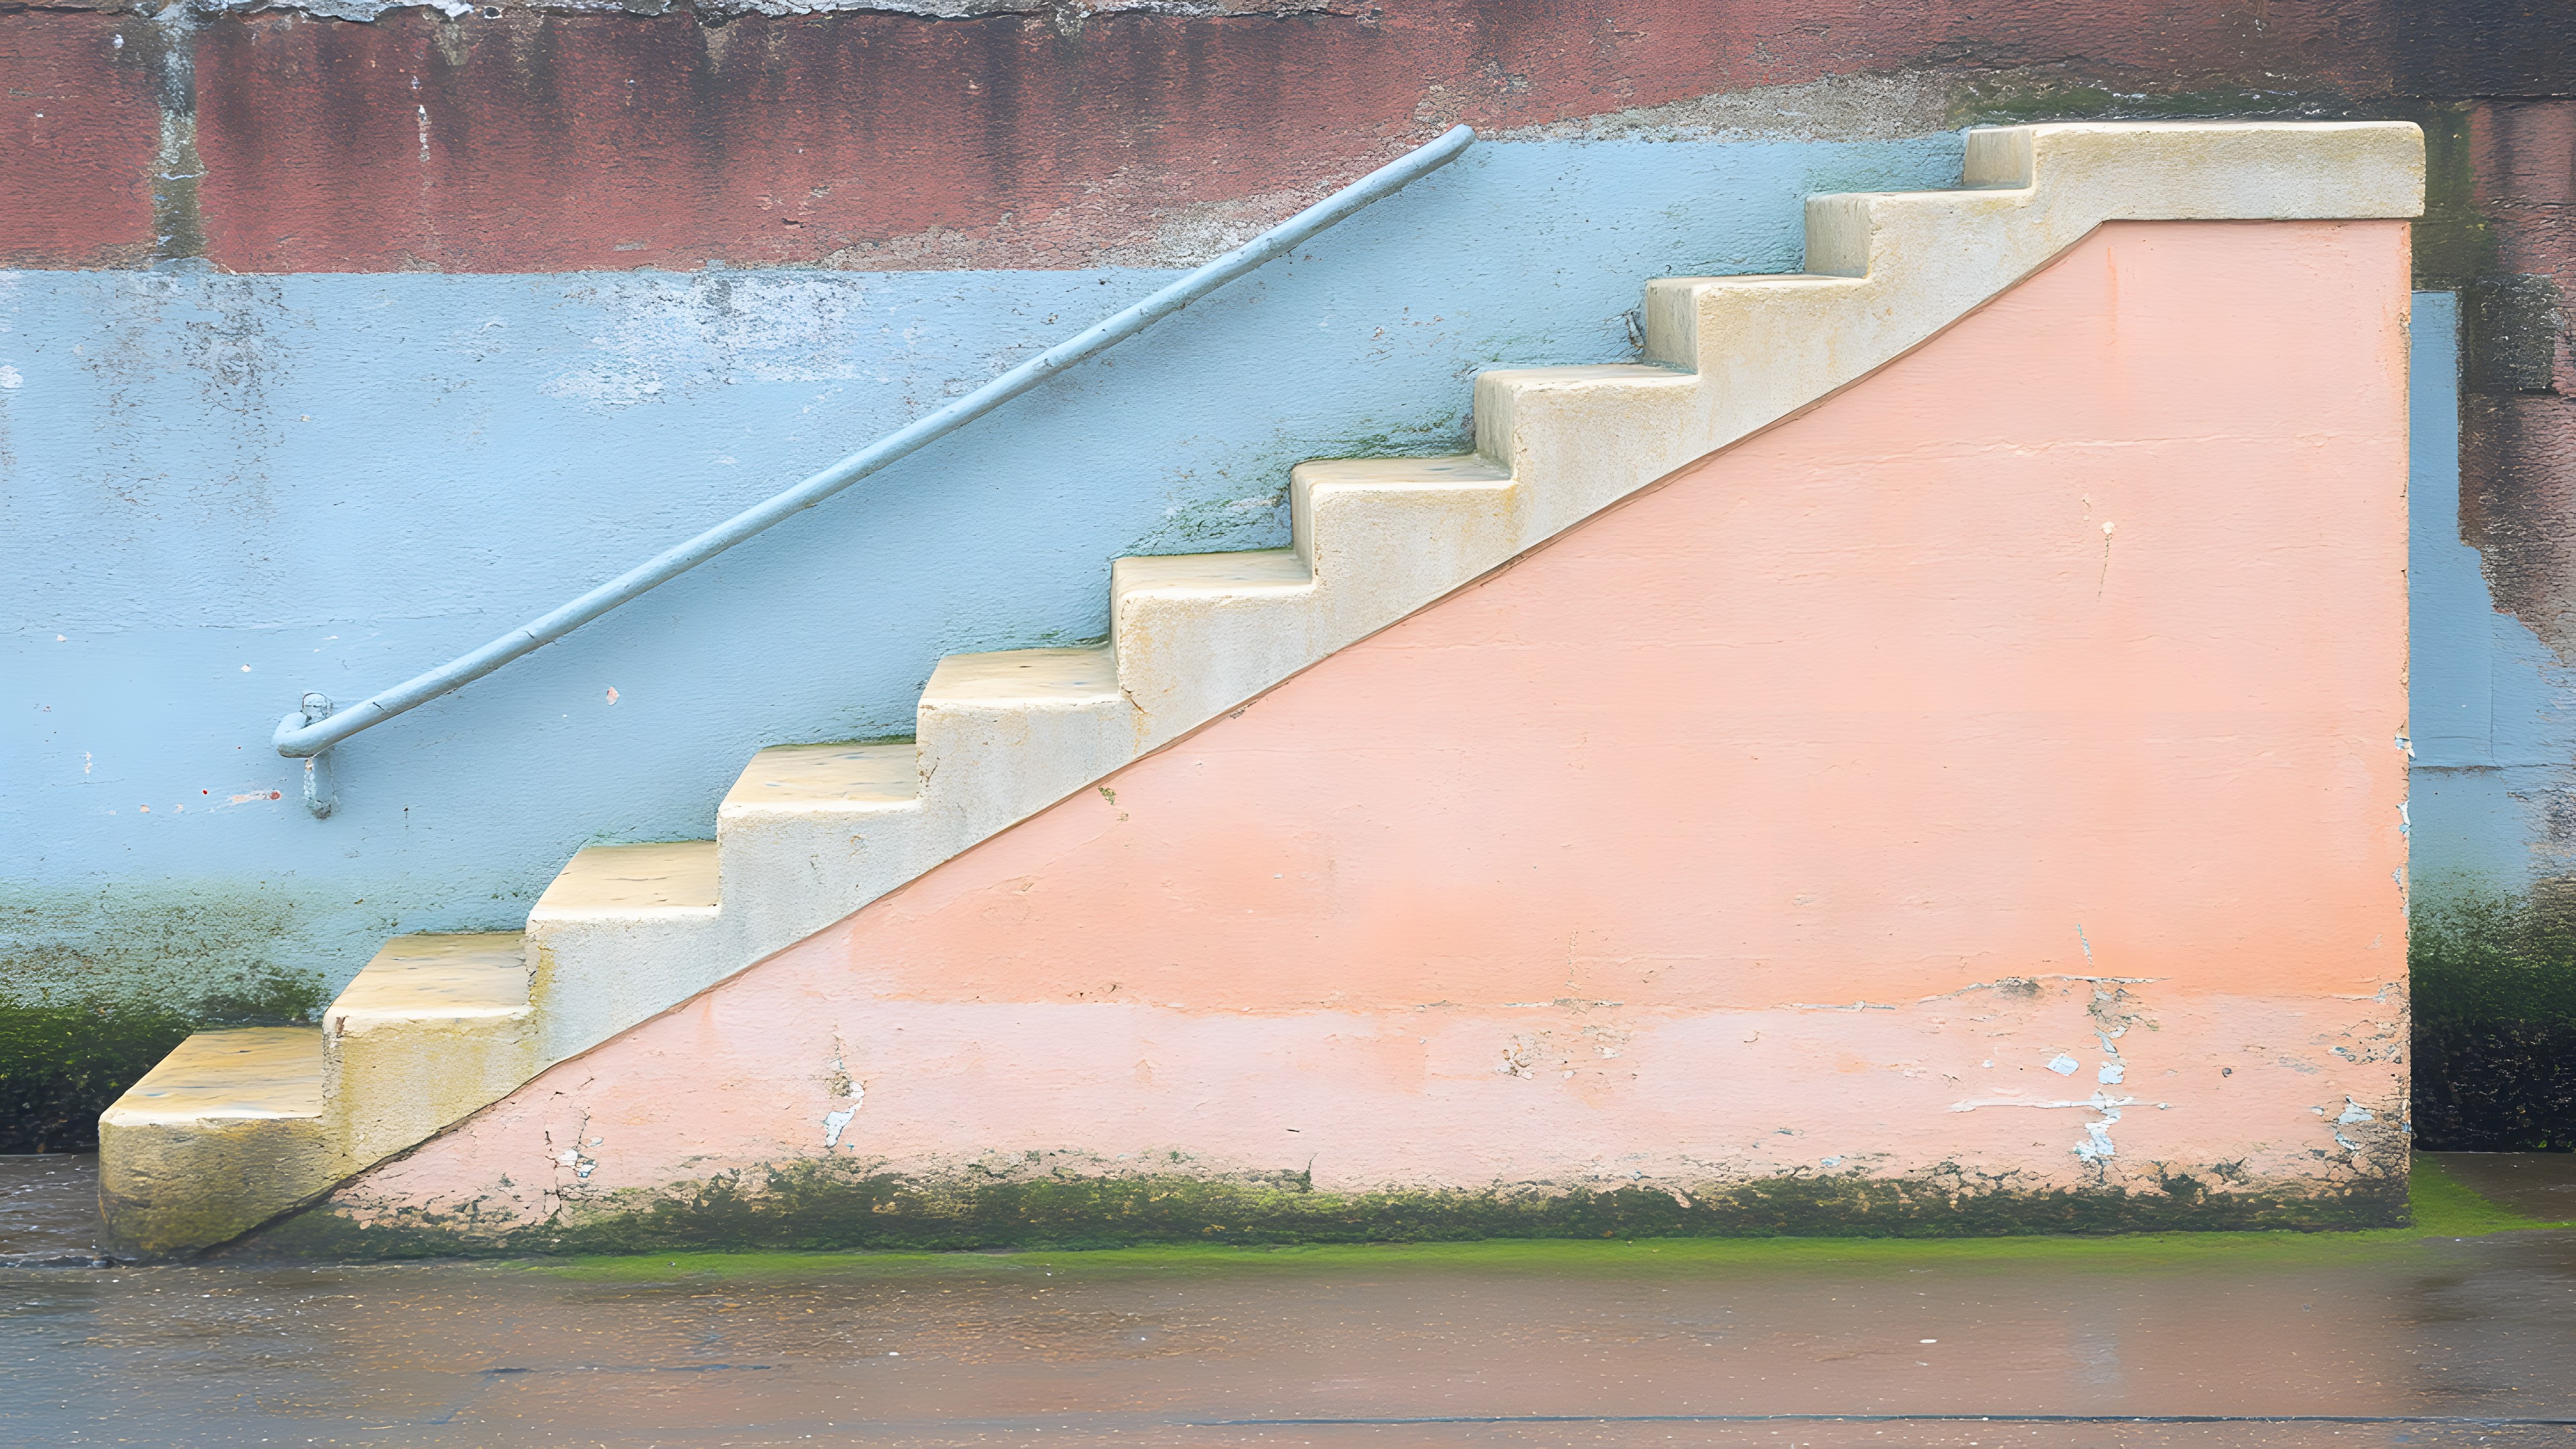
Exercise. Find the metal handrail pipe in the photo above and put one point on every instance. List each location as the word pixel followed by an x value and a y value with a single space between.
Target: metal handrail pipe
pixel 297 735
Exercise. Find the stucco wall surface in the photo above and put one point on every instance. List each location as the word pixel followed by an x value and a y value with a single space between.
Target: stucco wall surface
pixel 234 489
pixel 1989 782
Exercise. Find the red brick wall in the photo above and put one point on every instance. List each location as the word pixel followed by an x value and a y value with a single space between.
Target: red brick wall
pixel 534 141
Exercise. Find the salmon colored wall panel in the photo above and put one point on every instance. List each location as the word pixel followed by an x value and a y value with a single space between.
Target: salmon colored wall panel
pixel 1992 776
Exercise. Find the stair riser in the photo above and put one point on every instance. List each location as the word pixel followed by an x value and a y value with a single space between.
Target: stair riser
pixel 1757 345
pixel 170 1188
pixel 985 767
pixel 594 978
pixel 1578 445
pixel 788 873
pixel 1187 657
pixel 1382 552
pixel 1933 261
pixel 387 1085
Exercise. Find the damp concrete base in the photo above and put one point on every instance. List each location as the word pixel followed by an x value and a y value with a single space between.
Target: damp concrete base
pixel 2456 1332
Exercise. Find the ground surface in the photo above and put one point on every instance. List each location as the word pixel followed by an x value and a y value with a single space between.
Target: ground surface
pixel 2458 1332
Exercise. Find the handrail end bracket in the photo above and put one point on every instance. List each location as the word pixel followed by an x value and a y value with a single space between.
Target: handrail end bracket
pixel 320 794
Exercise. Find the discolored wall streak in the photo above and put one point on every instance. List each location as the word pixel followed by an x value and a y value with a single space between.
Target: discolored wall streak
pixel 515 139
pixel 2518 419
pixel 1936 787
pixel 545 142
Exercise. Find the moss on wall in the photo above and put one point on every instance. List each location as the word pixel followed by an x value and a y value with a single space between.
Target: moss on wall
pixel 831 1205
pixel 61 1065
pixel 2495 1022
pixel 2439 1206
pixel 95 987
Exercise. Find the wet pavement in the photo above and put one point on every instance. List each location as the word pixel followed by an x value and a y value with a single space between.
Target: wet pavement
pixel 2237 1340
pixel 2540 1184
pixel 49 1210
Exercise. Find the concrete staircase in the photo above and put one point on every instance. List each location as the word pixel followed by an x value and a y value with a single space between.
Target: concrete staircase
pixel 238 1127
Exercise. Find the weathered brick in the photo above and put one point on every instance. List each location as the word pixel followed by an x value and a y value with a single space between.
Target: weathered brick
pixel 79 128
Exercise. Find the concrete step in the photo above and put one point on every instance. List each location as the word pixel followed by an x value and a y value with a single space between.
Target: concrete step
pixel 623 932
pixel 1386 536
pixel 853 779
pixel 1579 439
pixel 1006 734
pixel 810 833
pixel 431 1030
pixel 1197 633
pixel 1373 540
pixel 226 1133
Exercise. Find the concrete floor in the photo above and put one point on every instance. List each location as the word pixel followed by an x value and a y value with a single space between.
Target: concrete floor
pixel 2237 1340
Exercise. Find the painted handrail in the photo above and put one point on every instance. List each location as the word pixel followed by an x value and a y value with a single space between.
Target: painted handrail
pixel 317 727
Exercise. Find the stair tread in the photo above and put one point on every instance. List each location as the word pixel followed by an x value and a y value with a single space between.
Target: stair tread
pixel 670 875
pixel 792 775
pixel 1071 676
pixel 1456 470
pixel 235 1073
pixel 439 976
pixel 1265 570
pixel 1739 279
pixel 1633 373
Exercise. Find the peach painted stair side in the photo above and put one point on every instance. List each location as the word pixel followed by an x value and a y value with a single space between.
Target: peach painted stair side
pixel 811 833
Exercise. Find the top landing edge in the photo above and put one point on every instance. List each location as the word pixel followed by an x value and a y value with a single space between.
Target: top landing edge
pixel 2212 170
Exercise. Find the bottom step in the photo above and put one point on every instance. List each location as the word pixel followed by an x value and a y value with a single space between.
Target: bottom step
pixel 222 1136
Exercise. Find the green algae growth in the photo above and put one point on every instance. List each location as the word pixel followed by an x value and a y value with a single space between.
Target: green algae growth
pixel 2441 1206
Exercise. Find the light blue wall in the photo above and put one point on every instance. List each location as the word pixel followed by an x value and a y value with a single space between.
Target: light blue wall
pixel 223 491
pixel 2494 739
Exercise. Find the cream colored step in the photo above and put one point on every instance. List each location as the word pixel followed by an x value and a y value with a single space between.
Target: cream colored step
pixel 1004 735
pixel 1374 540
pixel 624 932
pixel 620 881
pixel 434 1028
pixel 1578 439
pixel 1197 633
pixel 226 1133
pixel 1386 536
pixel 854 779
pixel 810 833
